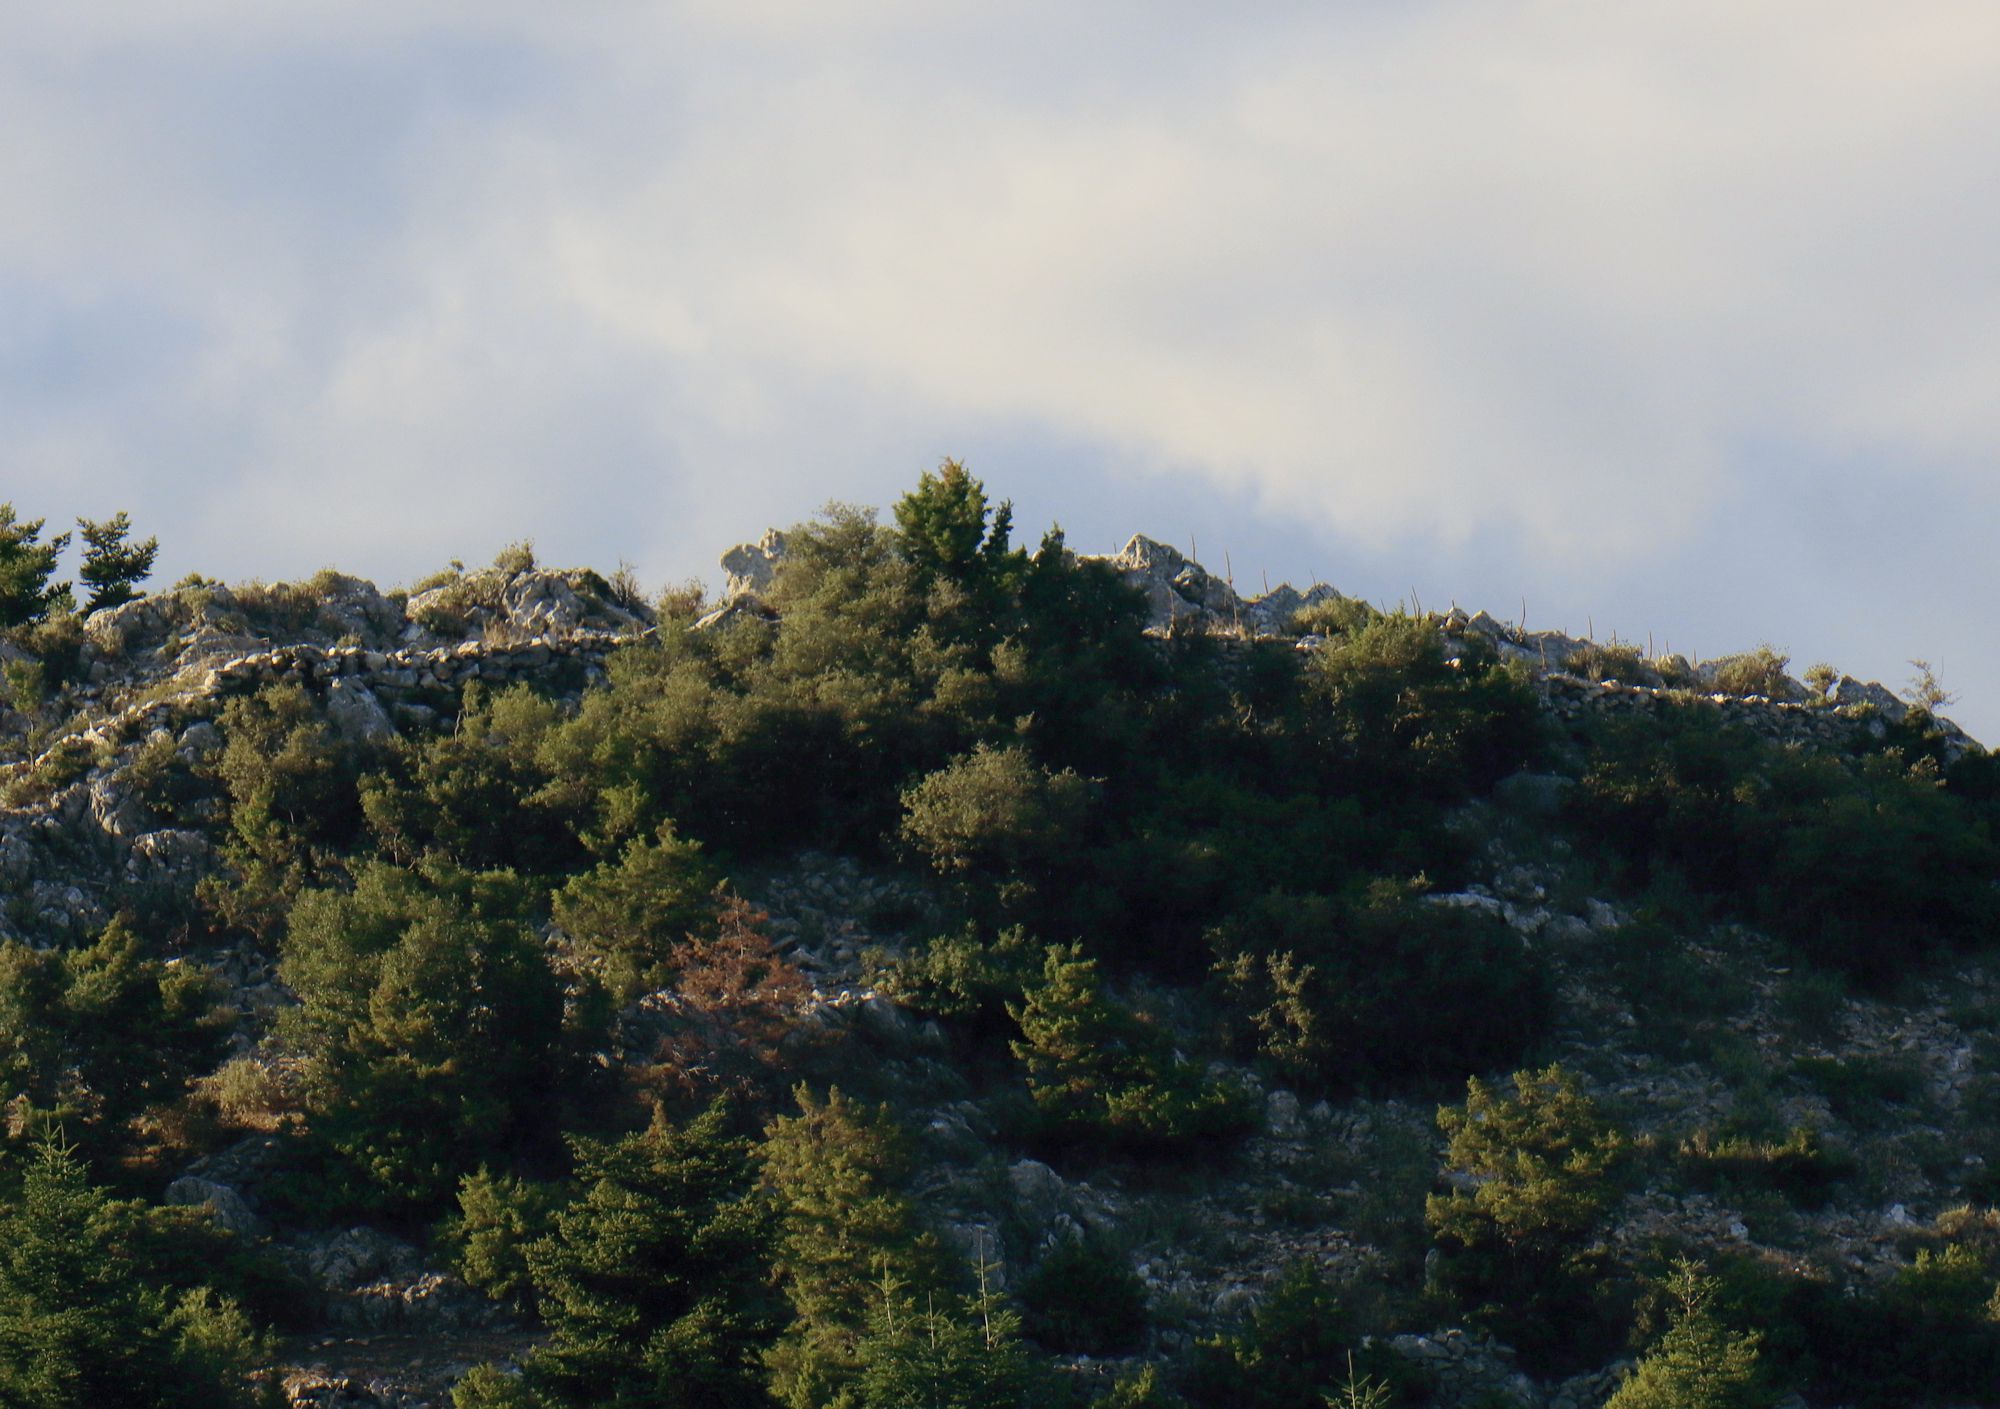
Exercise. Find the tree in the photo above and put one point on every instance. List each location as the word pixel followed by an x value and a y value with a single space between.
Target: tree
pixel 86 1323
pixel 431 1024
pixel 943 1352
pixel 113 566
pixel 96 1034
pixel 1098 1071
pixel 629 915
pixel 1699 1363
pixel 834 1174
pixel 995 809
pixel 943 526
pixel 26 565
pixel 655 1284
pixel 1519 1246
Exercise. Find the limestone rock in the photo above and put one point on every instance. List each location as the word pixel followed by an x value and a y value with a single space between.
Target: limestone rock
pixel 752 567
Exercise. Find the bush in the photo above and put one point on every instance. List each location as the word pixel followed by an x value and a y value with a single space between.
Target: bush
pixel 1338 993
pixel 499 1216
pixel 431 1026
pixel 1799 1168
pixel 627 917
pixel 1083 1298
pixel 994 809
pixel 1296 1351
pixel 1100 1073
pixel 1758 672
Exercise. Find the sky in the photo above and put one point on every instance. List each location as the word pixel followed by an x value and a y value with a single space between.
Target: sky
pixel 1679 322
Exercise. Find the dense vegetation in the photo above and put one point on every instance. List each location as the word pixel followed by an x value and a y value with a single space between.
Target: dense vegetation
pixel 1160 873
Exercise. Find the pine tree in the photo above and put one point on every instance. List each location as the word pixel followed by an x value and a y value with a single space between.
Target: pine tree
pixel 655 1285
pixel 26 565
pixel 113 566
pixel 1698 1363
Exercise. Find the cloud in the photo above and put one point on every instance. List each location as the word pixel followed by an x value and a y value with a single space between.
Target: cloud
pixel 1564 292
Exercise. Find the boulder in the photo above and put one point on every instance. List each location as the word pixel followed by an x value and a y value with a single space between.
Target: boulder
pixel 753 567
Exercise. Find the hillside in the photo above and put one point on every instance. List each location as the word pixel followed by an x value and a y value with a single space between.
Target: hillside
pixel 941 972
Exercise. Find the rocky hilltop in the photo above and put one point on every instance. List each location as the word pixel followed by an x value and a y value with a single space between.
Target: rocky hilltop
pixel 1512 839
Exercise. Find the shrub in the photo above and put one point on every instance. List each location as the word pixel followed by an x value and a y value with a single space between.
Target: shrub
pixel 1758 672
pixel 1098 1072
pixel 1337 993
pixel 1798 1167
pixel 1296 1351
pixel 1083 1298
pixel 994 809
pixel 1398 717
pixel 627 916
pixel 431 1027
pixel 1336 616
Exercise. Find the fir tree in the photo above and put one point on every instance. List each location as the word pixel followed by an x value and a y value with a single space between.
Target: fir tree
pixel 26 565
pixel 655 1284
pixel 1698 1363
pixel 113 565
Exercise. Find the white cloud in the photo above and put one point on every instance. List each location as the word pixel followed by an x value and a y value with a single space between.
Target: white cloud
pixel 1579 280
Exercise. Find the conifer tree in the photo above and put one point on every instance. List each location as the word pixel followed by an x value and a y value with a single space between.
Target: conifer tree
pixel 83 1325
pixel 1699 1363
pixel 655 1284
pixel 113 565
pixel 834 1173
pixel 26 565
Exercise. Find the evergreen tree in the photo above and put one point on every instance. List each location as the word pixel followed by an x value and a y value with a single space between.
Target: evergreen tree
pixel 834 1173
pixel 1698 1363
pixel 655 1284
pixel 26 565
pixel 943 1352
pixel 82 1323
pixel 431 1024
pixel 113 565
pixel 1520 1247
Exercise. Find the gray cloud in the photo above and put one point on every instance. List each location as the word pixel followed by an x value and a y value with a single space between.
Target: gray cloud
pixel 1676 318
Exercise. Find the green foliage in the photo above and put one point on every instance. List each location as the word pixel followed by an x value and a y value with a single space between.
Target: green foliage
pixel 943 529
pixel 995 809
pixel 1084 1298
pixel 499 1216
pixel 1398 716
pixel 1758 672
pixel 1336 993
pixel 1615 660
pixel 962 977
pixel 26 565
pixel 1098 1071
pixel 100 1033
pixel 1336 616
pixel 293 805
pixel 942 1353
pixel 628 916
pixel 655 1284
pixel 1518 1246
pixel 834 1174
pixel 1798 1167
pixel 431 1026
pixel 1699 1363
pixel 87 1322
pixel 1861 864
pixel 1294 1352
pixel 113 565
pixel 441 794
